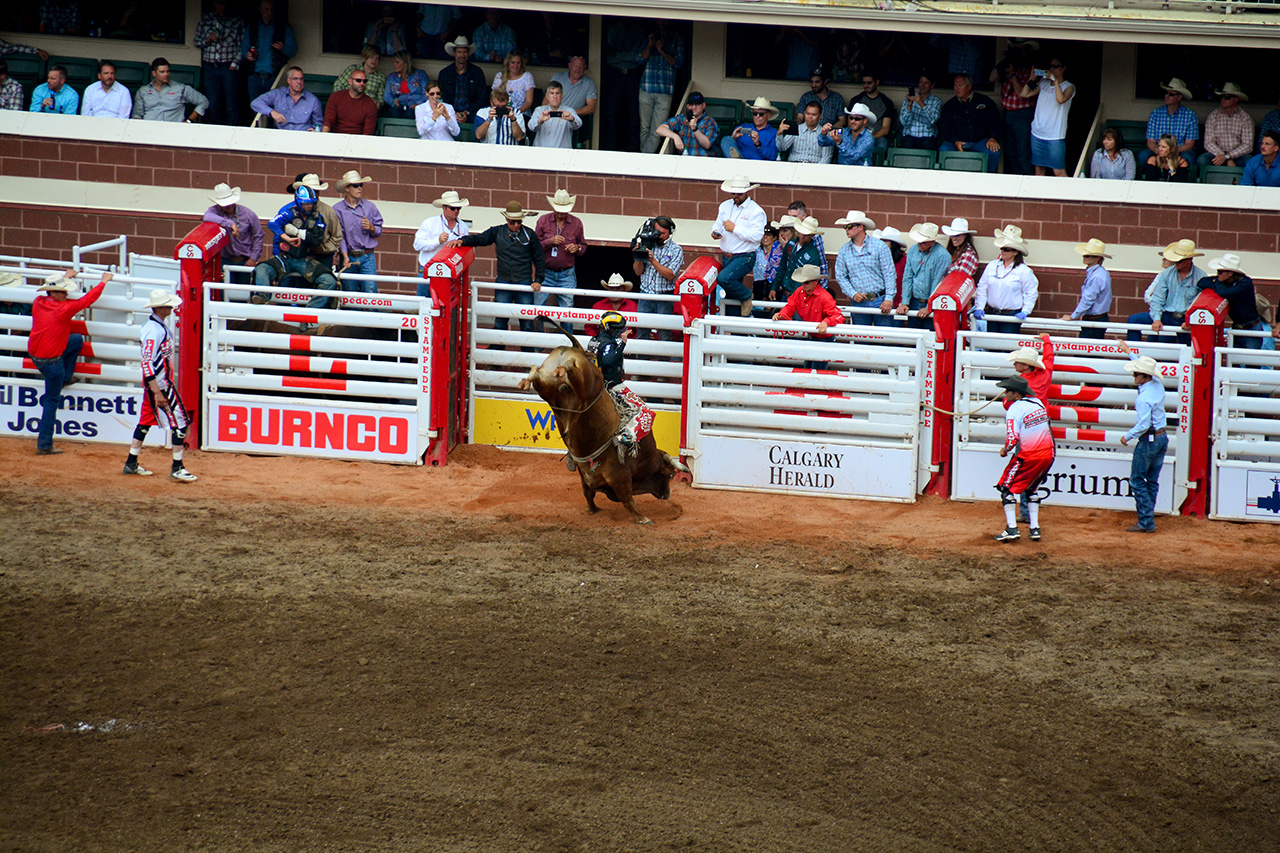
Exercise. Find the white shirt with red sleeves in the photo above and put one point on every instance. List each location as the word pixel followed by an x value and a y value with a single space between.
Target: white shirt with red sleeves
pixel 157 349
pixel 1027 427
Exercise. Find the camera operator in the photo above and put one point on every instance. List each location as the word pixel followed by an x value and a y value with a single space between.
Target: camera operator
pixel 658 259
pixel 693 131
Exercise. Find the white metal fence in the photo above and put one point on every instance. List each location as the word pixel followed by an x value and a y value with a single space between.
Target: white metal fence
pixel 1246 436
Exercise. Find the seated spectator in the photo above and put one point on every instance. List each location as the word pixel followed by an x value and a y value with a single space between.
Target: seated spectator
pixel 436 119
pixel 855 142
pixel 921 110
pixel 1229 281
pixel 385 33
pixel 8 47
pixel 1166 164
pixel 970 122
pixel 881 108
pixel 370 59
pixel 435 25
pixel 498 124
pixel 553 124
pixel 1049 124
pixel 493 39
pixel 756 139
pixel 830 103
pixel 162 100
pixel 291 106
pixel 106 97
pixel 463 84
pixel 805 144
pixel 580 93
pixel 405 88
pixel 1174 119
pixel 54 95
pixel 11 95
pixel 1228 131
pixel 693 132
pixel 517 80
pixel 613 302
pixel 1261 170
pixel 1112 161
pixel 1270 121
pixel 352 111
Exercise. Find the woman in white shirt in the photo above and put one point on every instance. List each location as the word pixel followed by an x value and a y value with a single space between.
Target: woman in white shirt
pixel 1049 127
pixel 1007 285
pixel 435 118
pixel 517 81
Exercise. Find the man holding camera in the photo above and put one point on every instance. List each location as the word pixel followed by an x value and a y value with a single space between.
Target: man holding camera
pixel 739 228
pixel 693 132
pixel 553 123
pixel 804 145
pixel 497 123
pixel 657 259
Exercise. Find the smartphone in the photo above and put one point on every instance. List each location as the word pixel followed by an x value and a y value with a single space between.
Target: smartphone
pixel 555 113
pixel 911 91
pixel 1039 72
pixel 501 111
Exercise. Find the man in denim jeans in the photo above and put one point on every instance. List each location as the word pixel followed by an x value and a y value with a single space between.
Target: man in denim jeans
pixel 361 227
pixel 1149 437
pixel 739 227
pixel 658 271
pixel 562 241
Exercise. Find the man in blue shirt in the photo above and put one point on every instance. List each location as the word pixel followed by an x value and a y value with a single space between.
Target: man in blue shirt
pixel 926 266
pixel 1173 291
pixel 55 96
pixel 663 55
pixel 493 39
pixel 865 271
pixel 1095 295
pixel 299 231
pixel 1148 434
pixel 1262 169
pixel 1174 119
pixel 855 143
pixel 268 44
pixel 291 106
pixel 756 139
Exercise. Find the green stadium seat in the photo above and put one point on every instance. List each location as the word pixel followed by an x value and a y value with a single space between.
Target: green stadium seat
pixel 80 71
pixel 1134 132
pixel 27 69
pixel 188 74
pixel 911 158
pixel 1220 174
pixel 133 75
pixel 786 111
pixel 726 112
pixel 962 161
pixel 466 131
pixel 404 128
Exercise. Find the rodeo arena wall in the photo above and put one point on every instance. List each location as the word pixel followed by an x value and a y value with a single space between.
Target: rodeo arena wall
pixel 898 412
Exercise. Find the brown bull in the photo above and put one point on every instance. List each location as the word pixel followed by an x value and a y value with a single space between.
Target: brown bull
pixel 587 418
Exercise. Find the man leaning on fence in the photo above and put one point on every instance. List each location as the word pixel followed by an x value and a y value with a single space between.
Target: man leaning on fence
pixel 243 227
pixel 739 227
pixel 1173 291
pixel 520 261
pixel 865 271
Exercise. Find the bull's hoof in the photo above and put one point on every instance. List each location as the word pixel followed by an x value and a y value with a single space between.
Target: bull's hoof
pixel 643 520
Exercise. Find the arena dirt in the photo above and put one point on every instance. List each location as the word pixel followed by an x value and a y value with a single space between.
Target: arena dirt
pixel 308 655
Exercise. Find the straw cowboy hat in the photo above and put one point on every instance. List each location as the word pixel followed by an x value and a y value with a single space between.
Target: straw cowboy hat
pixel 309 180
pixel 808 272
pixel 58 281
pixel 787 221
pixel 856 217
pixel 889 234
pixel 1016 384
pixel 1144 364
pixel 562 202
pixel 1011 238
pixel 1265 309
pixel 164 299
pixel 352 177
pixel 1232 89
pixel 808 225
pixel 738 184
pixel 763 103
pixel 225 195
pixel 1094 248
pixel 515 210
pixel 450 199
pixel 616 282
pixel 923 232
pixel 1226 262
pixel 1181 251
pixel 1025 355
pixel 1175 84
pixel 958 226
pixel 460 41
pixel 861 110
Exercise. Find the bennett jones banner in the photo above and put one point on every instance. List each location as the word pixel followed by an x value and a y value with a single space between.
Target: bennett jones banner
pixel 87 414
pixel 297 429
pixel 1099 481
pixel 1249 494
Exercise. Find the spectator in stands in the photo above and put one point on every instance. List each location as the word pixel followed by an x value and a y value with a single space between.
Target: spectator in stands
pixel 106 97
pixel 1261 170
pixel 553 123
pixel 163 100
pixel 882 109
pixel 1007 285
pixel 864 270
pixel 1049 127
pixel 964 257
pixel 805 145
pixel 498 124
pixel 8 47
pixel 291 106
pixel 920 112
pixel 1112 161
pixel 580 93
pixel 520 258
pixel 927 263
pixel 662 56
pixel 493 39
pixel 327 252
pixel 436 22
pixel 1095 294
pixel 560 235
pixel 1270 121
pixel 405 88
pixel 376 81
pixel 802 252
pixel 1228 131
pixel 658 271
pixel 804 52
pixel 361 227
pixel 755 139
pixel 518 82
pixel 766 266
pixel 436 119
pixel 1230 282
pixel 435 231
pixel 970 122
pixel 897 244
pixel 693 132
pixel 298 232
pixel 54 347
pixel 11 95
pixel 385 33
pixel 60 18
pixel 739 227
pixel 1167 164
pixel 219 35
pixel 1014 73
pixel 463 84
pixel 831 103
pixel 1174 119
pixel 1172 292
pixel 798 210
pixel 54 95
pixel 268 44
pixel 965 54
pixel 855 143
pixel 243 228
pixel 352 111
pixel 625 38
pixel 614 302
pixel 548 44
pixel 809 303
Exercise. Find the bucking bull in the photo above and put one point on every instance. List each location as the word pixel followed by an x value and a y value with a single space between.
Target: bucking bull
pixel 588 420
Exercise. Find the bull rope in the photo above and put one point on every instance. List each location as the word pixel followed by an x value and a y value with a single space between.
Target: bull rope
pixel 578 460
pixel 969 413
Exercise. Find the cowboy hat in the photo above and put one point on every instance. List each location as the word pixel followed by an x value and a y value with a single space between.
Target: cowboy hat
pixel 787 221
pixel 1011 238
pixel 923 232
pixel 515 210
pixel 1094 248
pixel 309 180
pixel 1181 251
pixel 562 202
pixel 856 217
pixel 861 110
pixel 225 195
pixel 958 226
pixel 1232 89
pixel 763 103
pixel 1025 355
pixel 808 225
pixel 616 282
pixel 808 272
pixel 1024 44
pixel 450 199
pixel 58 281
pixel 1143 364
pixel 1016 384
pixel 738 184
pixel 1228 262
pixel 163 299
pixel 889 234
pixel 352 177
pixel 1176 85
pixel 460 41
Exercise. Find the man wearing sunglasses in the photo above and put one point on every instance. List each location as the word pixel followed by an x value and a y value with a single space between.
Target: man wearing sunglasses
pixel 756 139
pixel 353 112
pixel 361 228
pixel 437 230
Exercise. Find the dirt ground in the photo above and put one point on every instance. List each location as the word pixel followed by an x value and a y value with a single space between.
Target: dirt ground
pixel 310 655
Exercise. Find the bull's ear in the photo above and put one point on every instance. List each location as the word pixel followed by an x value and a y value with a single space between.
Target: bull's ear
pixel 562 379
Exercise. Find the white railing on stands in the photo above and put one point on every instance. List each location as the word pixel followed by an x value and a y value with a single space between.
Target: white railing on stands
pixel 1246 436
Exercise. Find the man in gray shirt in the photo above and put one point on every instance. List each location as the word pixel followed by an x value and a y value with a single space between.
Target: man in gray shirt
pixel 802 146
pixel 161 100
pixel 553 123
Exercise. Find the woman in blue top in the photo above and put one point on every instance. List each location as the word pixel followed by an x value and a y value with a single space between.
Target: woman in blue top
pixel 1112 161
pixel 406 88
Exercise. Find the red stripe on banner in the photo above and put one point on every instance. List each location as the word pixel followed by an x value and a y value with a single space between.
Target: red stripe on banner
pixel 1091 435
pixel 1083 414
pixel 313 382
pixel 301 318
pixel 300 342
pixel 301 363
pixel 339 366
pixel 84 369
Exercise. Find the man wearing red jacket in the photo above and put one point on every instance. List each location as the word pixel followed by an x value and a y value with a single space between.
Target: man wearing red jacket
pixel 53 348
pixel 810 303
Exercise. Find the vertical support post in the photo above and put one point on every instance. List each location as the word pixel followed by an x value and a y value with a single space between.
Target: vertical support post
pixel 1206 320
pixel 448 278
pixel 199 256
pixel 950 304
pixel 696 287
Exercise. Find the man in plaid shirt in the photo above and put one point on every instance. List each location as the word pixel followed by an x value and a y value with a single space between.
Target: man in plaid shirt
pixel 1228 131
pixel 693 132
pixel 919 116
pixel 7 47
pixel 1013 73
pixel 219 35
pixel 10 90
pixel 865 271
pixel 662 56
pixel 1174 119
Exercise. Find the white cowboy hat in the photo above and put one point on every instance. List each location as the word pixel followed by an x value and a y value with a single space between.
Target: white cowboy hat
pixel 958 226
pixel 58 281
pixel 1143 364
pixel 787 221
pixel 1011 238
pixel 1094 247
pixel 616 282
pixel 808 272
pixel 763 103
pixel 1025 355
pixel 738 184
pixel 1181 250
pixel 923 232
pixel 310 180
pixel 515 210
pixel 856 217
pixel 1226 262
pixel 889 234
pixel 352 177
pixel 1176 85
pixel 808 225
pixel 450 198
pixel 562 202
pixel 163 298
pixel 1232 89
pixel 460 41
pixel 225 195
pixel 861 110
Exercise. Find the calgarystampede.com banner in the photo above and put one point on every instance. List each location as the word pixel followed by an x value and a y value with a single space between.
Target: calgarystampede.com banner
pixel 570 314
pixel 1078 347
pixel 361 299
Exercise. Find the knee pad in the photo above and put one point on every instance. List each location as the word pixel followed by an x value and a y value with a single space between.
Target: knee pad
pixel 140 432
pixel 1006 496
pixel 179 437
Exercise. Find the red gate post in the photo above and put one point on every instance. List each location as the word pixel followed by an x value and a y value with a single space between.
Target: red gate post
pixel 449 280
pixel 950 304
pixel 696 287
pixel 199 256
pixel 1206 321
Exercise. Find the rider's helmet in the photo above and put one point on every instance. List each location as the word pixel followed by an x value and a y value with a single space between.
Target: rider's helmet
pixel 613 322
pixel 305 195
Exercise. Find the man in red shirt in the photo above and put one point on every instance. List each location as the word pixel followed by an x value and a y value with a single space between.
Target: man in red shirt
pixel 352 111
pixel 810 303
pixel 53 348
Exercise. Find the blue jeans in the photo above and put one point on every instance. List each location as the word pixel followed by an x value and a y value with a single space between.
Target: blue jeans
pixel 1144 477
pixel 260 84
pixel 366 264
pixel 558 278
pixel 55 371
pixel 514 297
pixel 870 319
pixel 266 275
pixel 1251 342
pixel 918 322
pixel 1168 318
pixel 1017 141
pixel 653 306
pixel 1004 327
pixel 993 157
pixel 732 273
pixel 220 85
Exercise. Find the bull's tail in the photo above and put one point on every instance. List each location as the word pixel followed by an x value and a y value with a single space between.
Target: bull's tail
pixel 567 333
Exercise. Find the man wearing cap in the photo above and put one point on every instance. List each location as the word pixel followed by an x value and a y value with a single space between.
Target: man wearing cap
pixel 925 268
pixel 658 271
pixel 520 260
pixel 580 93
pixel 560 235
pixel 242 226
pixel 361 228
pixel 831 103
pixel 1095 294
pixel 352 111
pixel 919 115
pixel 693 132
pixel 1174 119
pixel 298 230
pixel 159 394
pixel 1262 169
pixel 801 252
pixel 291 106
pixel 1149 437
pixel 1030 437
pixel 755 139
pixel 553 123
pixel 855 143
pixel 881 106
pixel 805 145
pixel 864 270
pixel 1175 288
pixel 437 230
pixel 1228 131
pixel 662 56
pixel 1036 369
pixel 1230 282
pixel 463 84
pixel 809 303
pixel 970 122
pixel 54 348
pixel 164 100
pixel 106 97
pixel 739 227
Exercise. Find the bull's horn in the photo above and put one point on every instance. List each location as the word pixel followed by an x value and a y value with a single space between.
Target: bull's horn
pixel 567 333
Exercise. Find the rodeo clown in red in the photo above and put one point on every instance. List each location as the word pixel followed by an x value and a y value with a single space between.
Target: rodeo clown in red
pixel 159 393
pixel 1028 434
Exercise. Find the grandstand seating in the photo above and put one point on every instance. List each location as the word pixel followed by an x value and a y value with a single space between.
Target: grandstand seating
pixel 962 161
pixel 911 158
pixel 1220 174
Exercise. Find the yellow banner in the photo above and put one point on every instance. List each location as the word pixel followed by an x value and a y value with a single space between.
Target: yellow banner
pixel 514 423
